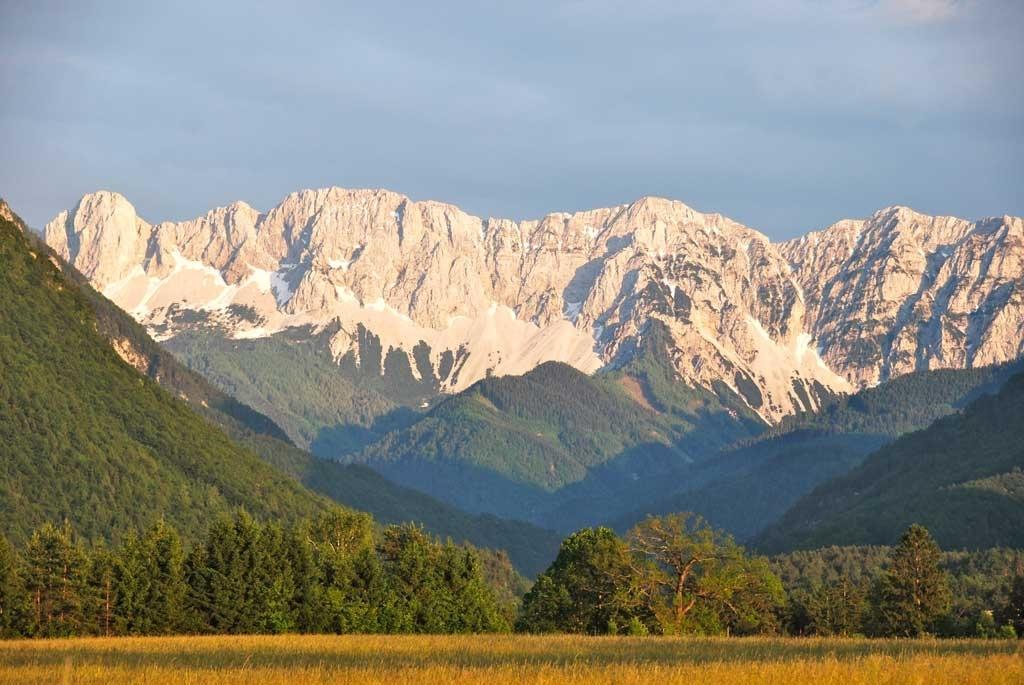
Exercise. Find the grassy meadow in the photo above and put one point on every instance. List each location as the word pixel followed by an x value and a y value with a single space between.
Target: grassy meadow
pixel 501 660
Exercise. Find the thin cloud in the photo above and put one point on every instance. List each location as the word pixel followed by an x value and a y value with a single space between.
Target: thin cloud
pixel 922 11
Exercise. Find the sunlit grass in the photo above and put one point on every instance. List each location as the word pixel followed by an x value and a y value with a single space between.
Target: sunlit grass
pixel 501 660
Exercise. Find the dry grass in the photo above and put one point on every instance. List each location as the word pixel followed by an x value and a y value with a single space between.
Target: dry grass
pixel 501 660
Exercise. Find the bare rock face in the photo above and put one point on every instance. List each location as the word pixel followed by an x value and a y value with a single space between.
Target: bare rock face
pixel 777 324
pixel 902 291
pixel 8 214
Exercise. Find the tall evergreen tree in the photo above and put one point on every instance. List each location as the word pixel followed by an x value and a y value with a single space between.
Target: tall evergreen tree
pixel 1012 612
pixel 417 596
pixel 474 608
pixel 101 595
pixel 914 593
pixel 56 576
pixel 150 583
pixel 223 595
pixel 12 592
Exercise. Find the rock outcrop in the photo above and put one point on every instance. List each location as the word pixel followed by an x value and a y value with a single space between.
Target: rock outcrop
pixel 901 291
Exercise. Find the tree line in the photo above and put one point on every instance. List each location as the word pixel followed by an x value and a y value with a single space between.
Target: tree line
pixel 332 573
pixel 676 574
pixel 338 573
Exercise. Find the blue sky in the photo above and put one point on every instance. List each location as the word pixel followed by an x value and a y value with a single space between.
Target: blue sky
pixel 783 114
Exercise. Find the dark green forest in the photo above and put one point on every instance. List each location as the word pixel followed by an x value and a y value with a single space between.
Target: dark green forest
pixel 771 472
pixel 959 477
pixel 333 573
pixel 84 437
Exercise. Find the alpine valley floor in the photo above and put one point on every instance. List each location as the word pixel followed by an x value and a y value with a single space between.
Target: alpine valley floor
pixel 501 660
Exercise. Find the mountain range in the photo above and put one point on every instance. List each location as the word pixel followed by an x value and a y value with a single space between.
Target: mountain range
pixel 435 299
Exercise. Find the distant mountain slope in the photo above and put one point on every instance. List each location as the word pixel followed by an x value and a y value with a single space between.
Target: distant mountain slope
pixel 83 436
pixel 960 477
pixel 112 330
pixel 332 408
pixel 769 473
pixel 556 439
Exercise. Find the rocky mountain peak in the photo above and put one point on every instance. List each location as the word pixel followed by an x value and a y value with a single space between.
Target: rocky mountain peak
pixel 8 214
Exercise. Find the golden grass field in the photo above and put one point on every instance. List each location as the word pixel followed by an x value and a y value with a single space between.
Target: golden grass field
pixel 505 660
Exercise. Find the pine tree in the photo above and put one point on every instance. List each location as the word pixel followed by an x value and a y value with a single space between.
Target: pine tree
pixel 222 596
pixel 56 574
pixel 101 598
pixel 410 562
pixel 914 593
pixel 12 592
pixel 1012 613
pixel 474 607
pixel 149 576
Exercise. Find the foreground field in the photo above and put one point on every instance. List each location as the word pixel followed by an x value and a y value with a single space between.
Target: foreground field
pixel 500 660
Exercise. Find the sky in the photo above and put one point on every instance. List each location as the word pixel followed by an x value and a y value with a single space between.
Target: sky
pixel 786 115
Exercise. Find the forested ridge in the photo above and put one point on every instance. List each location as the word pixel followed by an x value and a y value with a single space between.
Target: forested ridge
pixel 329 407
pixel 769 473
pixel 959 477
pixel 86 438
pixel 560 447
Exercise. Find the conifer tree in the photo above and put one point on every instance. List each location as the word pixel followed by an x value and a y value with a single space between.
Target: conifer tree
pixel 101 598
pixel 914 593
pixel 56 577
pixel 223 597
pixel 150 582
pixel 474 609
pixel 410 561
pixel 1012 612
pixel 12 592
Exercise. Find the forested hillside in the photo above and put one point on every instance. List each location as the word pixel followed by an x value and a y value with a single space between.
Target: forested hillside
pixel 329 407
pixel 960 477
pixel 559 446
pixel 529 547
pixel 771 472
pixel 85 437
